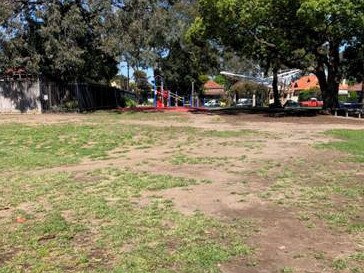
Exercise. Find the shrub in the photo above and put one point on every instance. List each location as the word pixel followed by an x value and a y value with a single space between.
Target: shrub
pixel 308 94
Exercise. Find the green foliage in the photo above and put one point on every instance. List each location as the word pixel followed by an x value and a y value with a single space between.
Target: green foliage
pixel 354 61
pixel 120 81
pixel 351 97
pixel 203 78
pixel 246 88
pixel 142 87
pixel 305 34
pixel 308 94
pixel 60 40
pixel 186 63
pixel 220 79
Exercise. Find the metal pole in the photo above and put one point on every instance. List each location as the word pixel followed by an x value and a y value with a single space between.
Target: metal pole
pixel 162 91
pixel 192 92
pixel 155 94
pixel 128 80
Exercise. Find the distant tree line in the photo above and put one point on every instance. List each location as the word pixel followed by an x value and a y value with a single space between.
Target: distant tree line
pixel 85 40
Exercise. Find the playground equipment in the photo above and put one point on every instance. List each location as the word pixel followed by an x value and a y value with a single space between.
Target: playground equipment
pixel 163 98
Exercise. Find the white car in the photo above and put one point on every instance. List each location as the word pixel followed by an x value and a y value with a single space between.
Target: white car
pixel 244 103
pixel 212 103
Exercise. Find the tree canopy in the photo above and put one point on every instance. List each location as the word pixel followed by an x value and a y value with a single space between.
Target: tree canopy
pixel 60 40
pixel 85 40
pixel 305 34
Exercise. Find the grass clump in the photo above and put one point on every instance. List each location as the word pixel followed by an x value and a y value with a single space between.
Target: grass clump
pixel 352 142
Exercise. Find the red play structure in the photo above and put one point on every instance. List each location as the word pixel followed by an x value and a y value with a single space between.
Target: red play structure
pixel 162 98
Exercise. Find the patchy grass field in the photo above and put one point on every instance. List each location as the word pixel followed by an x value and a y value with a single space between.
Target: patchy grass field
pixel 167 192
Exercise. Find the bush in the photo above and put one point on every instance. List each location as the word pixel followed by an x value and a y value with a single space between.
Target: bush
pixel 307 95
pixel 351 97
pixel 126 102
pixel 130 103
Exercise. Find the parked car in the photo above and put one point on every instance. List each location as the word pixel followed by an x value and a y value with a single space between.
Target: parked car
pixel 245 102
pixel 313 102
pixel 212 103
pixel 350 105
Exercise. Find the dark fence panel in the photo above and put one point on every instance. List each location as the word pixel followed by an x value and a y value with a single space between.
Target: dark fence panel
pixel 81 97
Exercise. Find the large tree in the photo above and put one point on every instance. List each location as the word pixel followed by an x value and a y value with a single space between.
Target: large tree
pixel 306 34
pixel 335 27
pixel 184 62
pixel 59 40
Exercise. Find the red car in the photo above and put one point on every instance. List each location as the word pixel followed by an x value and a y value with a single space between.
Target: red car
pixel 313 102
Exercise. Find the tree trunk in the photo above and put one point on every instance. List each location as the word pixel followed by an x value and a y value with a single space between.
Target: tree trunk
pixel 333 77
pixel 361 94
pixel 277 99
pixel 321 76
pixel 329 84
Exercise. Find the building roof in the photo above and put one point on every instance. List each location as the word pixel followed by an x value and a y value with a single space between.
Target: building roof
pixel 212 88
pixel 311 81
pixel 305 83
pixel 212 85
pixel 357 87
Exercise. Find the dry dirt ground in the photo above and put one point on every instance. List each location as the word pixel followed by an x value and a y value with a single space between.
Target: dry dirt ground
pixel 282 242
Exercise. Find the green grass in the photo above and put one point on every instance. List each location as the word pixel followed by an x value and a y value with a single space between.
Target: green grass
pixel 25 147
pixel 352 142
pixel 94 223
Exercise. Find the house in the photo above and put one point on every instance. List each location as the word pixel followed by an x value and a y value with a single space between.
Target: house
pixel 213 90
pixel 308 82
pixel 16 74
pixel 292 91
pixel 345 88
